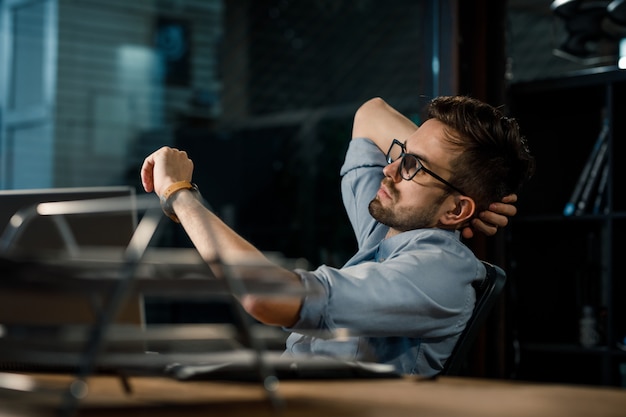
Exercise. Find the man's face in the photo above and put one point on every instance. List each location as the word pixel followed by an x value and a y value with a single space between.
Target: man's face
pixel 418 203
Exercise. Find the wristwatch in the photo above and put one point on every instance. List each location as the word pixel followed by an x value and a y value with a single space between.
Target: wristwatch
pixel 167 198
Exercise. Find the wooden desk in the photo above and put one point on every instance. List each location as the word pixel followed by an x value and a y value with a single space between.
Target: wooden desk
pixel 446 396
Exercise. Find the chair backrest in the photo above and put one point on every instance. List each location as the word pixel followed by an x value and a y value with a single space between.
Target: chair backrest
pixel 487 292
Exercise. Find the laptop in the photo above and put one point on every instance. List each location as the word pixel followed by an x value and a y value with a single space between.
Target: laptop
pixel 106 230
pixel 102 229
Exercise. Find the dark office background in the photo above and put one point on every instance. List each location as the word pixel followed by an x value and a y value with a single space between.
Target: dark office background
pixel 259 92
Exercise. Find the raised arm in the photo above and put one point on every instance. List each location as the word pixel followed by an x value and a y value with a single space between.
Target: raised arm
pixel 378 121
pixel 209 235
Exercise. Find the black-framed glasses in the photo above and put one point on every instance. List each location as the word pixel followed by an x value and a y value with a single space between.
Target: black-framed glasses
pixel 410 164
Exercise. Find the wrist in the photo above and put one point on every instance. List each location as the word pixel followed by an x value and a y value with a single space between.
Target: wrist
pixel 170 194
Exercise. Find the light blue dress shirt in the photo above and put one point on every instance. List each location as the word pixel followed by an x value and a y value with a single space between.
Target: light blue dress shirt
pixel 402 301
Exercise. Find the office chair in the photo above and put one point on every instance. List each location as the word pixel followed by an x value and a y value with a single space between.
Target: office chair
pixel 487 292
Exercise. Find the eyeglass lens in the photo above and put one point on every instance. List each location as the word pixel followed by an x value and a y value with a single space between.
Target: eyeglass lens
pixel 395 152
pixel 409 164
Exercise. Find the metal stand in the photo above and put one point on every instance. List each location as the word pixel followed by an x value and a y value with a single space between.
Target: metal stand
pixel 124 285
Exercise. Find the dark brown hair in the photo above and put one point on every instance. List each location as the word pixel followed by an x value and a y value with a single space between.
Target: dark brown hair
pixel 495 160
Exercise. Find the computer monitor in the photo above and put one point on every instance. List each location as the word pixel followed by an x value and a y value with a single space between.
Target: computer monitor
pixel 112 229
pixel 94 229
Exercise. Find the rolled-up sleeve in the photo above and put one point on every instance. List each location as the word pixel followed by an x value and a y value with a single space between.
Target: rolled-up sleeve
pixel 416 293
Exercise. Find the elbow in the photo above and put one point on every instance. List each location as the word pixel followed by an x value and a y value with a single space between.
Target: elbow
pixel 255 307
pixel 364 115
pixel 375 102
pixel 371 106
pixel 272 311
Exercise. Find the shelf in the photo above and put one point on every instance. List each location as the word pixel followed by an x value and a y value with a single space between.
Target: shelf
pixel 573 348
pixel 563 218
pixel 558 264
pixel 573 80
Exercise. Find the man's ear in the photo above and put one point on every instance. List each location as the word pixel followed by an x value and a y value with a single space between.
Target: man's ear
pixel 460 212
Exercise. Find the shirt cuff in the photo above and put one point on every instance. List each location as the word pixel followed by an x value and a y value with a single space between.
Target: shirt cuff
pixel 314 303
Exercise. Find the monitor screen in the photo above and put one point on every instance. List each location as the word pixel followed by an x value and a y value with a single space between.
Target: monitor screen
pixel 41 234
pixel 92 229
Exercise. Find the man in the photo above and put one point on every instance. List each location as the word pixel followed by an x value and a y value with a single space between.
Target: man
pixel 406 295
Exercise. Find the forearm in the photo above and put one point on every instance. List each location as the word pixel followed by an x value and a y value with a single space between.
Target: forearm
pixel 216 241
pixel 205 229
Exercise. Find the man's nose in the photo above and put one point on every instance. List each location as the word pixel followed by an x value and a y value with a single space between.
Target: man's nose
pixel 392 170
